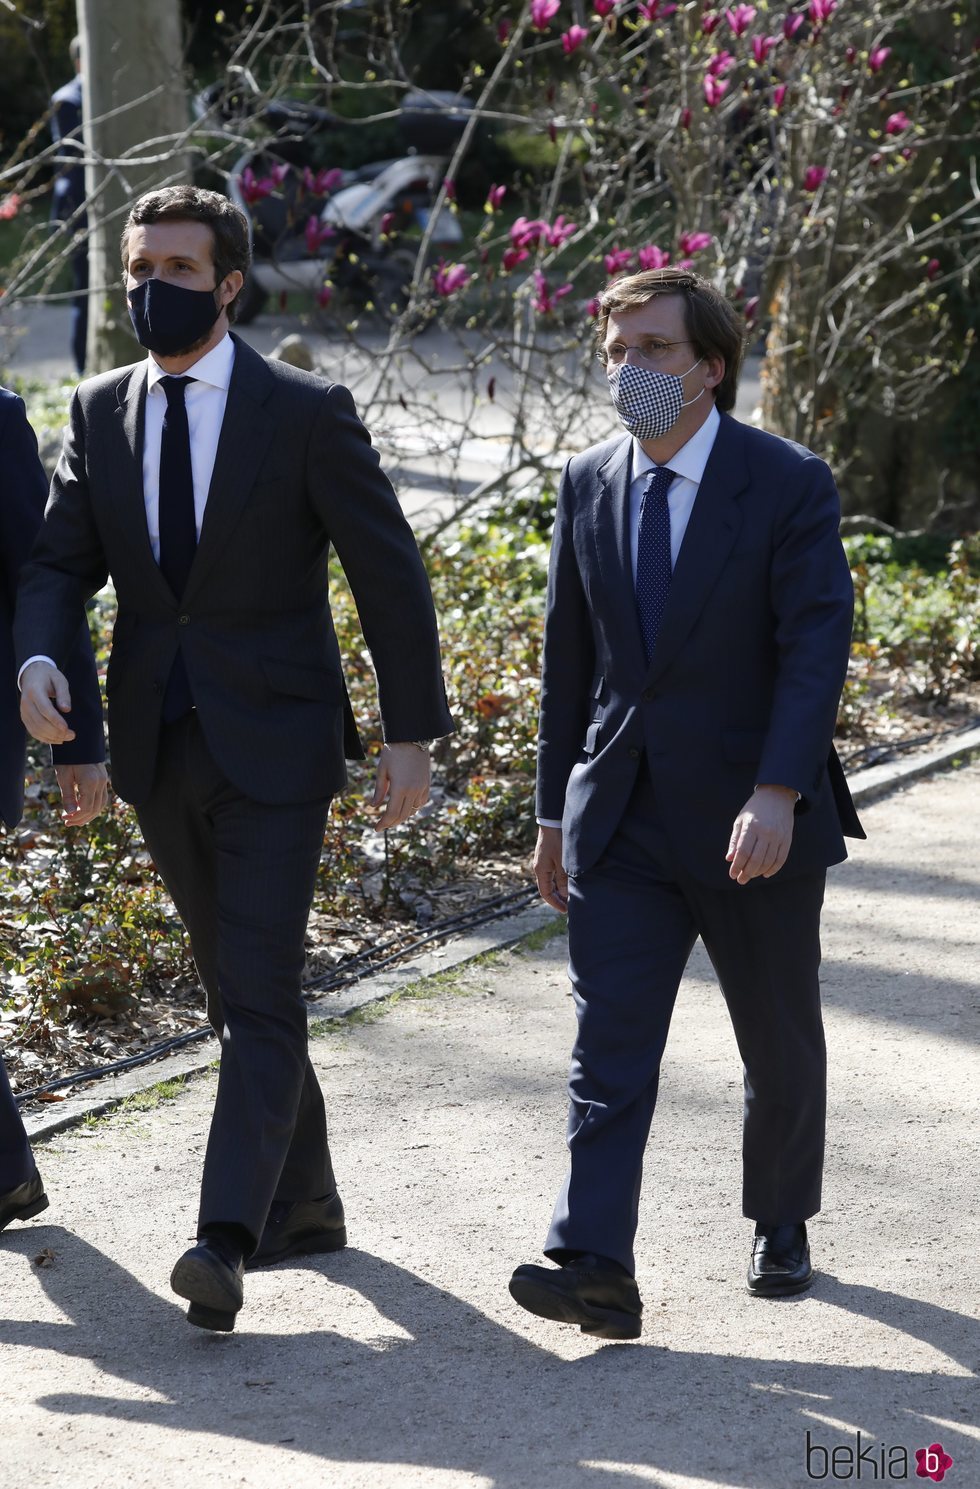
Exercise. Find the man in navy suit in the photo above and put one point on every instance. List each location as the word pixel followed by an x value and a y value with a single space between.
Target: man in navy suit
pixel 696 643
pixel 23 488
pixel 68 194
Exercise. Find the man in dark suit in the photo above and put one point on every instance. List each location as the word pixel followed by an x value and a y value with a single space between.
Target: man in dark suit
pixel 696 643
pixel 68 195
pixel 81 776
pixel 210 484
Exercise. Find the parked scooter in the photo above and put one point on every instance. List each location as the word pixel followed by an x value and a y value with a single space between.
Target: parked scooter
pixel 354 233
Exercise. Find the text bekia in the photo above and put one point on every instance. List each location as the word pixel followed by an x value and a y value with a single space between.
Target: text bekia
pixel 874 1461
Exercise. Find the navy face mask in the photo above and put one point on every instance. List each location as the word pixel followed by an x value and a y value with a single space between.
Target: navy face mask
pixel 168 318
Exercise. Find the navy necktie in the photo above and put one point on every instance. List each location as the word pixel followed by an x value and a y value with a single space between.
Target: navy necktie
pixel 653 569
pixel 178 526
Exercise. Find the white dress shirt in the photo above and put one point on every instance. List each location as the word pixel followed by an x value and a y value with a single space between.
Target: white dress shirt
pixel 688 466
pixel 205 400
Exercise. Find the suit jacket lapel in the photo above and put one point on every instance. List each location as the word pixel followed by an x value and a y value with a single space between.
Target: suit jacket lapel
pixel 611 530
pixel 713 527
pixel 126 477
pixel 246 431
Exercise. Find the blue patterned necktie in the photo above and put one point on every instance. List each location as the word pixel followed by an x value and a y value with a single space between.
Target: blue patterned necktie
pixel 178 526
pixel 653 569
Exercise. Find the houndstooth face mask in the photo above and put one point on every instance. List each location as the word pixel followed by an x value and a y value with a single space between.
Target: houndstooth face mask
pixel 648 403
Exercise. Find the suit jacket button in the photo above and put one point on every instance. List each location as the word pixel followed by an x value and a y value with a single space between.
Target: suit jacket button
pixel 158 687
pixel 183 620
pixel 648 695
pixel 634 753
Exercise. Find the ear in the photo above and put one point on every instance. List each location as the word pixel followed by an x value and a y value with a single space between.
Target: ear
pixel 714 371
pixel 229 287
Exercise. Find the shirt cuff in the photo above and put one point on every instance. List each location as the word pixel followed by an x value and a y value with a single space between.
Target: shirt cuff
pixel 548 822
pixel 28 663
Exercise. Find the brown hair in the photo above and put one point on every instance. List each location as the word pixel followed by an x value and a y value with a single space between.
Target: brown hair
pixel 229 230
pixel 714 325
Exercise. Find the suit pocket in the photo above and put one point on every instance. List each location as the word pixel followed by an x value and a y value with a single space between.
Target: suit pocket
pixel 743 745
pixel 317 683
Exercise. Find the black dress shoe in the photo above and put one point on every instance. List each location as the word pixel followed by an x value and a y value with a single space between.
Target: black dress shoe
pixel 210 1278
pixel 588 1291
pixel 24 1202
pixel 780 1261
pixel 301 1228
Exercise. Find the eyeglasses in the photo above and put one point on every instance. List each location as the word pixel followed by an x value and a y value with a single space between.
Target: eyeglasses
pixel 648 353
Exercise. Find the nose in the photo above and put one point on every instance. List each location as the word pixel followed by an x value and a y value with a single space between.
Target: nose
pixel 634 352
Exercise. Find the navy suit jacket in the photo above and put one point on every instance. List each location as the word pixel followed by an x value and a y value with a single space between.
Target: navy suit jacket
pixel 295 472
pixel 746 676
pixel 23 488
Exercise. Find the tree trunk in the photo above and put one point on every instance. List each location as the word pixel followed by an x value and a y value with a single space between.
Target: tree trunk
pixel 136 119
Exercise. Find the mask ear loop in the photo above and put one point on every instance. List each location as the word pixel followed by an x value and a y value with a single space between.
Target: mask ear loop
pixel 687 403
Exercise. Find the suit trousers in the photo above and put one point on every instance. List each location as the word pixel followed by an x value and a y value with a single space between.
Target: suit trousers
pixel 633 920
pixel 16 1163
pixel 242 875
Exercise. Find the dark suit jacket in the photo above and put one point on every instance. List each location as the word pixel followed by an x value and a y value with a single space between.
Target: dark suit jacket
pixel 294 472
pixel 746 676
pixel 23 488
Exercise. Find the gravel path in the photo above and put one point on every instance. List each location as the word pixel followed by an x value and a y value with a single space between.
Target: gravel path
pixel 403 1362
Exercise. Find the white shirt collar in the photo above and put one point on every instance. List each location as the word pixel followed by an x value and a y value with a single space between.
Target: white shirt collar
pixel 213 368
pixel 690 460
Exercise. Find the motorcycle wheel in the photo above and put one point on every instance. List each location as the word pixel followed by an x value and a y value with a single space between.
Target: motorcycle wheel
pixel 252 300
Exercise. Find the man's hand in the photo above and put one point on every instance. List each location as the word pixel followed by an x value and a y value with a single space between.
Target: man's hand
pixel 548 871
pixel 762 834
pixel 44 697
pixel 84 791
pixel 403 781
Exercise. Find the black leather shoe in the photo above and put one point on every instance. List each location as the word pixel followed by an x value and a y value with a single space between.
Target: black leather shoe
pixel 302 1228
pixel 24 1202
pixel 211 1281
pixel 588 1291
pixel 780 1261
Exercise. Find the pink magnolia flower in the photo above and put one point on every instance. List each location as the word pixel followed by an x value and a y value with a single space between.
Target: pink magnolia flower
pixel 572 39
pixel 387 222
pixel 527 232
pixel 685 119
pixel 714 91
pixel 503 32
pixel 750 308
pixel 907 153
pixel 449 187
pixel 720 63
pixel 279 172
pixel 603 8
pixel 820 11
pixel 875 159
pixel 896 123
pixel 542 12
pixel 324 182
pixel 878 58
pixel 740 19
pixel 512 257
pixel 316 234
pixel 655 10
pixel 791 25
pixel 253 189
pixel 694 242
pixel 710 21
pixel 495 196
pixel 560 231
pixel 779 96
pixel 653 257
pixel 545 299
pixel 814 176
pixel 619 258
pixel 448 278
pixel 9 207
pixel 324 294
pixel 932 268
pixel 593 307
pixel 762 46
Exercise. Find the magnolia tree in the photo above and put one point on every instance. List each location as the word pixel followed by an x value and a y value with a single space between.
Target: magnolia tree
pixel 813 159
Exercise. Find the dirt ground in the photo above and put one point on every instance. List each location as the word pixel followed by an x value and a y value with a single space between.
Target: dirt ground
pixel 402 1361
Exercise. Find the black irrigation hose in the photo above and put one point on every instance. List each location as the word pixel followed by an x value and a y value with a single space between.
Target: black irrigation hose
pixel 876 754
pixel 350 970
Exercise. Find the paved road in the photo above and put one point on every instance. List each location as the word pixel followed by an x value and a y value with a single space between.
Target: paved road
pixel 403 1362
